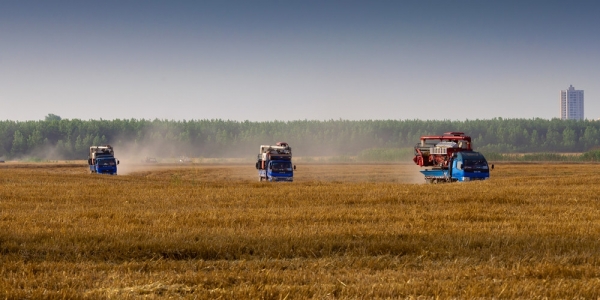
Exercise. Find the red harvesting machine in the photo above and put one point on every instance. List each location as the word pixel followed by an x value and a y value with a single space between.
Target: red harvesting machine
pixel 436 150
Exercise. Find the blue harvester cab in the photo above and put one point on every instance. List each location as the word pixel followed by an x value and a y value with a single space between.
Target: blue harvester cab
pixel 469 165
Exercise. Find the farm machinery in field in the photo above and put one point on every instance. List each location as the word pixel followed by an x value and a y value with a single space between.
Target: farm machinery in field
pixel 274 163
pixel 102 160
pixel 449 158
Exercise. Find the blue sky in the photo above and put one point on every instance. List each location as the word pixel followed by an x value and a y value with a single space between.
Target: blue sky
pixel 291 60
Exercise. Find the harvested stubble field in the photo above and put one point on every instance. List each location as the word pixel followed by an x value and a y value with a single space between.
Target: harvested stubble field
pixel 339 231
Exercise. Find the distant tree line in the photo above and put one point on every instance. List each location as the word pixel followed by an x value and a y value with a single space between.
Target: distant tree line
pixel 57 138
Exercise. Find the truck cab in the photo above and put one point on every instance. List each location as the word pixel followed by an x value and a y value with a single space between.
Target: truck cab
pixel 277 170
pixel 469 165
pixel 104 165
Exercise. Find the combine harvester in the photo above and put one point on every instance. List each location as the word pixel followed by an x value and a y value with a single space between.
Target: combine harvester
pixel 451 159
pixel 102 160
pixel 275 163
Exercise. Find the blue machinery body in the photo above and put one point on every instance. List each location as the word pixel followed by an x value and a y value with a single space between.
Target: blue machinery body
pixel 277 170
pixel 463 166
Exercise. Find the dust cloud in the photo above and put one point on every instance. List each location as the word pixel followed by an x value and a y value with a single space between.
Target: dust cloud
pixel 409 173
pixel 146 156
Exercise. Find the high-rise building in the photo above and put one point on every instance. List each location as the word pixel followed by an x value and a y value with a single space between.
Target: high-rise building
pixel 571 104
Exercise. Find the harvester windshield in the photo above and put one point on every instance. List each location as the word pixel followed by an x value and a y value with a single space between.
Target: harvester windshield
pixel 473 160
pixel 106 161
pixel 281 166
pixel 477 164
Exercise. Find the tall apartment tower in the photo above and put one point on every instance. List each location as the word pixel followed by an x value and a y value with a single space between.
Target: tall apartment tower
pixel 571 104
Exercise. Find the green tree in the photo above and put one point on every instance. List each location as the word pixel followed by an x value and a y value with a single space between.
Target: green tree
pixel 590 137
pixel 19 144
pixel 569 139
pixel 52 117
pixel 80 146
pixel 552 140
pixel 35 140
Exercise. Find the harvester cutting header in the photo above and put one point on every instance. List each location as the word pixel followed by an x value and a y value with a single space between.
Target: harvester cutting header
pixel 451 157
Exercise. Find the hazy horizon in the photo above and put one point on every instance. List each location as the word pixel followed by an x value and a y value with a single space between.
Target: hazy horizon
pixel 294 120
pixel 287 61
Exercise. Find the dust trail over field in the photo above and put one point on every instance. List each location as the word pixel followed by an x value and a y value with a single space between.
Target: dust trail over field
pixel 133 154
pixel 409 173
pixel 309 167
pixel 355 173
pixel 399 173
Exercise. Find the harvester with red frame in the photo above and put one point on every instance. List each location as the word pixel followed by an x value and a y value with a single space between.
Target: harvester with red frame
pixel 450 157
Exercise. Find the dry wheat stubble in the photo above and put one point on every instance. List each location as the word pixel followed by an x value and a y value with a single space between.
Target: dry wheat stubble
pixel 213 231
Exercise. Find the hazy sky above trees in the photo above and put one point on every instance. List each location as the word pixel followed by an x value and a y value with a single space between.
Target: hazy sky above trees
pixel 290 60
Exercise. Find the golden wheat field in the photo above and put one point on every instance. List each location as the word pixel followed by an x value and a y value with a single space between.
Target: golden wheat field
pixel 337 232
